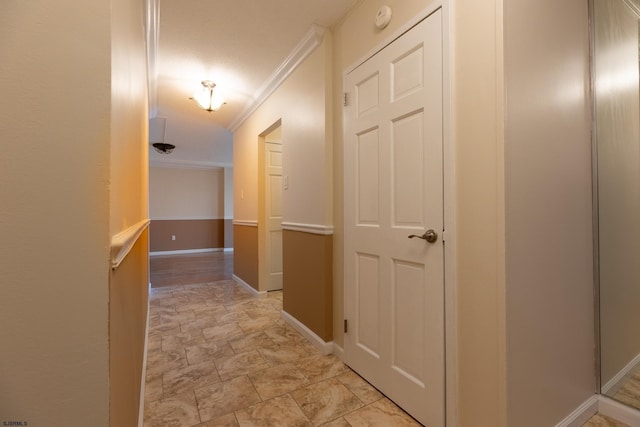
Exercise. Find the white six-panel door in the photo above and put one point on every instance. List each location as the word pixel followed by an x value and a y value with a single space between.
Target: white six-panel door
pixel 273 211
pixel 394 285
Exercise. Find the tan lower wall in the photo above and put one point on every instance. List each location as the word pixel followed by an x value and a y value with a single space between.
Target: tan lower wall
pixel 307 280
pixel 228 233
pixel 128 297
pixel 245 254
pixel 190 234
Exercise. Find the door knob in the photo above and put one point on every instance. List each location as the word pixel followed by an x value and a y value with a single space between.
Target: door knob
pixel 429 235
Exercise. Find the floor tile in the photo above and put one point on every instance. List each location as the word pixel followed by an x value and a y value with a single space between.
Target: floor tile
pixel 217 356
pixel 279 411
pixel 362 389
pixel 228 420
pixel 231 317
pixel 240 364
pixel 382 413
pixel 320 367
pixel 223 398
pixel 284 334
pixel 270 312
pixel 209 351
pixel 277 381
pixel 185 379
pixel 176 411
pixel 340 422
pixel 197 325
pixel 258 324
pixel 251 341
pixel 154 344
pixel 153 388
pixel 629 393
pixel 163 361
pixel 326 401
pixel 222 331
pixel 181 340
pixel 276 354
pixel 599 420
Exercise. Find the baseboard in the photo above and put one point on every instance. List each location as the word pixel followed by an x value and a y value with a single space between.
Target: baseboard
pixel 319 343
pixel 614 384
pixel 618 411
pixel 582 413
pixel 249 287
pixel 605 406
pixel 186 251
pixel 338 351
pixel 144 363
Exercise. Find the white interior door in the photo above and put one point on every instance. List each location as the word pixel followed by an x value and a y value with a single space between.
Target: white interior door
pixel 394 285
pixel 273 211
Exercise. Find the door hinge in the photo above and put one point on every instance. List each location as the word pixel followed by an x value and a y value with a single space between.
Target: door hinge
pixel 345 326
pixel 345 99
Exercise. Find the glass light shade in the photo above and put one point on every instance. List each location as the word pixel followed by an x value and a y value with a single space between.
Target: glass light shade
pixel 207 98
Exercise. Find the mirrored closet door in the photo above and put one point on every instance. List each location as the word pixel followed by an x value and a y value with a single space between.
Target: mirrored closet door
pixel 616 85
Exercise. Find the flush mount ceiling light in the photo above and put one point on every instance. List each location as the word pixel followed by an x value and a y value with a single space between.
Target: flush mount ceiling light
pixel 163 148
pixel 208 99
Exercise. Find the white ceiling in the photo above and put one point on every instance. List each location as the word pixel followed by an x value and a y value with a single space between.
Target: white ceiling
pixel 238 44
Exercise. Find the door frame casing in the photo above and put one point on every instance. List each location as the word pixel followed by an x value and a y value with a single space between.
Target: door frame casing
pixel 449 213
pixel 262 225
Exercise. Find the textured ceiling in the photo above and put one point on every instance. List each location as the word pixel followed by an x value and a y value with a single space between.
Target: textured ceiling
pixel 238 44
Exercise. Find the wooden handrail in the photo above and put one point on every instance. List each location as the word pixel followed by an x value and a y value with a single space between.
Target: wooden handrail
pixel 122 242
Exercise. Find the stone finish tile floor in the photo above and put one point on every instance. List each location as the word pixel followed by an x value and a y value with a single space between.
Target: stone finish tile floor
pixel 599 420
pixel 219 356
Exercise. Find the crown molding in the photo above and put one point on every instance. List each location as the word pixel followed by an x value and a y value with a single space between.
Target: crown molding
pixel 152 30
pixel 303 49
pixel 187 164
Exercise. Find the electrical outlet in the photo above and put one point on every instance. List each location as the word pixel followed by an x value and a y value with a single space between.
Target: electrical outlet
pixel 173 237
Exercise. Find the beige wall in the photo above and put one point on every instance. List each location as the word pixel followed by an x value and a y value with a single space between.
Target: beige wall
pixel 299 105
pixel 129 189
pixel 192 205
pixel 54 217
pixel 494 333
pixel 180 193
pixel 62 109
pixel 228 207
pixel 353 38
pixel 478 144
pixel 476 85
pixel 550 322
pixel 618 133
pixel 485 350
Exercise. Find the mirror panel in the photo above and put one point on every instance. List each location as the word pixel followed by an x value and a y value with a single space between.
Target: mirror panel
pixel 617 170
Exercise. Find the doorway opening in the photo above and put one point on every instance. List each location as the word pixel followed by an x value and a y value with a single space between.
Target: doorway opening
pixel 270 208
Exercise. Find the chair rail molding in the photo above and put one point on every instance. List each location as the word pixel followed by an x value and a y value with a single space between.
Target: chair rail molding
pixel 246 222
pixel 122 242
pixel 326 230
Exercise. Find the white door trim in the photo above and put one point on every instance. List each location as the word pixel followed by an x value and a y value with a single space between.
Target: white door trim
pixel 450 323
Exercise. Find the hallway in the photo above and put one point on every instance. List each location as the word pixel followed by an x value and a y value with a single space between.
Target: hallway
pixel 172 270
pixel 218 356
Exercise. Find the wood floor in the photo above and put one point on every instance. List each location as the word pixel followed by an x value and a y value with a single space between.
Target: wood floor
pixel 172 270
